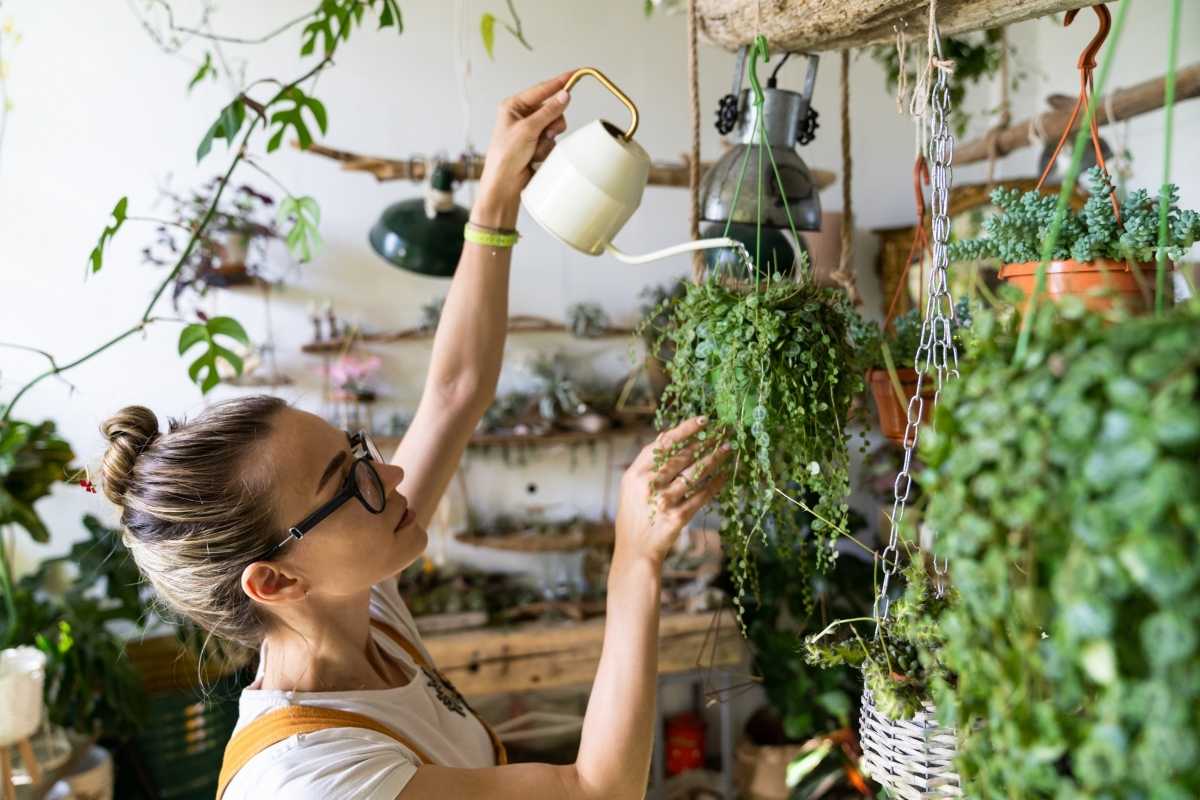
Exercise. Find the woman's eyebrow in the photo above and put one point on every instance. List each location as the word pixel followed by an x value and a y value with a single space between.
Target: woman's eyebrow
pixel 334 463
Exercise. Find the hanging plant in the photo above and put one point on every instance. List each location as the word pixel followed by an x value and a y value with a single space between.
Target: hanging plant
pixel 775 366
pixel 1093 250
pixel 1067 506
pixel 900 664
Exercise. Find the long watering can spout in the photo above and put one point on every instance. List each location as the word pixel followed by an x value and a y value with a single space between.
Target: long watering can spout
pixel 667 252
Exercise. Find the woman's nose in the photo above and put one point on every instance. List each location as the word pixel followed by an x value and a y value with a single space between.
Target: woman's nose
pixel 391 474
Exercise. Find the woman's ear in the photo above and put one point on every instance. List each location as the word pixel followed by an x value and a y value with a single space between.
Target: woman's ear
pixel 267 584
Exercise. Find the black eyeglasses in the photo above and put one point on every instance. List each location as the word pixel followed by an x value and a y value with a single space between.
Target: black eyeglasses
pixel 362 482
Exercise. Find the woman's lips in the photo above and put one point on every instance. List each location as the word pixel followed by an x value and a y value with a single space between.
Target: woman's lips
pixel 405 520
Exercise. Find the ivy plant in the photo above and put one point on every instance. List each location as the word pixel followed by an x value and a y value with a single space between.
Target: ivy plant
pixel 1067 505
pixel 775 367
pixel 1020 229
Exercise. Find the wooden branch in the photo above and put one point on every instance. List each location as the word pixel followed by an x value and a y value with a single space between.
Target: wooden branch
pixel 1125 103
pixel 815 25
pixel 392 169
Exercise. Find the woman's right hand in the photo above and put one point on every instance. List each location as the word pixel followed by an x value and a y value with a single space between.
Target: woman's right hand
pixel 657 502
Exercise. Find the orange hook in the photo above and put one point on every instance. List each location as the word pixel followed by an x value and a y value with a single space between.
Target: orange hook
pixel 1087 59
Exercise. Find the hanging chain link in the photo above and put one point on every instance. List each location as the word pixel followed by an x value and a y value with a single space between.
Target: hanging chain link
pixel 936 354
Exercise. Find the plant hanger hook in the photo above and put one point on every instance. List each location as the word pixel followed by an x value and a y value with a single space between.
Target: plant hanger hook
pixel 1087 59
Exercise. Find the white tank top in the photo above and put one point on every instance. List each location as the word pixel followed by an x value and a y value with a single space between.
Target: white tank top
pixel 354 762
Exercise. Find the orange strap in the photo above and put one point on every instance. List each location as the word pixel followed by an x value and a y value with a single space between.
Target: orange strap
pixel 275 726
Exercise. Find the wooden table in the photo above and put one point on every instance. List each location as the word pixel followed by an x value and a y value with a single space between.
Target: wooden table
pixel 549 655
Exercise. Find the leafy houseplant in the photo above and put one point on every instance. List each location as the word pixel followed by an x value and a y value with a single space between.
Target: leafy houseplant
pixel 32 459
pixel 775 367
pixel 1067 506
pixel 1093 249
pixel 902 664
pixel 230 250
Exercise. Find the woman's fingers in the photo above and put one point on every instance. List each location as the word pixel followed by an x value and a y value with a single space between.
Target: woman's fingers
pixel 696 473
pixel 545 115
pixel 674 465
pixel 688 508
pixel 535 95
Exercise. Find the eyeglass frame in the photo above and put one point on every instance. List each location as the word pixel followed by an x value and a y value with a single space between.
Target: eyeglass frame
pixel 349 490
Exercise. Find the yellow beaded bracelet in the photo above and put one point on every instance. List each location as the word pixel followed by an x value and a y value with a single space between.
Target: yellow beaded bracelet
pixel 490 238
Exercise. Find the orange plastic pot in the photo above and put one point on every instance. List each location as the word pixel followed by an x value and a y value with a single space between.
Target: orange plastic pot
pixel 1101 284
pixel 893 415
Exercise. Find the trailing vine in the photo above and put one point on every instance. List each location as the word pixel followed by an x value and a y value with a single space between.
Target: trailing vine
pixel 288 108
pixel 776 368
pixel 1067 506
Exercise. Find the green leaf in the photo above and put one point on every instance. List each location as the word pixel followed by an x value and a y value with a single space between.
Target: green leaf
pixel 800 767
pixel 389 15
pixel 304 216
pixel 293 118
pixel 228 124
pixel 207 70
pixel 203 370
pixel 96 257
pixel 487 29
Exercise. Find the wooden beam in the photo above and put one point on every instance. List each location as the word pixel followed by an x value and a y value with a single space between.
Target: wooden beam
pixel 815 25
pixel 393 169
pixel 1125 103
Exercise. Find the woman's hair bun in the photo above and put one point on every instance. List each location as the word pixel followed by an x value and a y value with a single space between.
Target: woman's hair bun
pixel 129 432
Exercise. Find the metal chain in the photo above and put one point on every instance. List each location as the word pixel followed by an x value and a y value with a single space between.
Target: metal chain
pixel 936 354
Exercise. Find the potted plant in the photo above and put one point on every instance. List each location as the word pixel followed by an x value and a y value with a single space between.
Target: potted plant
pixel 1104 259
pixel 775 365
pixel 231 249
pixel 892 378
pixel 1067 505
pixel 801 744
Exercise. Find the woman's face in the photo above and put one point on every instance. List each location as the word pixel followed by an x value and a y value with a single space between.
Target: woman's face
pixel 350 549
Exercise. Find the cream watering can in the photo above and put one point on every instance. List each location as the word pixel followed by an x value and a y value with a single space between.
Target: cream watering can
pixel 592 182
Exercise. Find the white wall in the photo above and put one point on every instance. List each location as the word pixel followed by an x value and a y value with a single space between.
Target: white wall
pixel 100 111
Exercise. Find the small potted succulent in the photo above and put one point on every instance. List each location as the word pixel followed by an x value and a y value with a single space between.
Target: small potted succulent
pixel 1104 259
pixel 892 378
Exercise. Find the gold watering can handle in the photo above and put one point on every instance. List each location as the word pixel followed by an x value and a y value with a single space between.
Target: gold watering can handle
pixel 598 75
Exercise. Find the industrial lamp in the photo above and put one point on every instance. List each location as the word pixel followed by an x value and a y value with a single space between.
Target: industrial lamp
pixel 424 234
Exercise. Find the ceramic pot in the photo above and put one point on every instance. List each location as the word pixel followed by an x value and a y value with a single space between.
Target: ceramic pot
pixel 761 772
pixel 593 180
pixel 893 416
pixel 22 675
pixel 1101 284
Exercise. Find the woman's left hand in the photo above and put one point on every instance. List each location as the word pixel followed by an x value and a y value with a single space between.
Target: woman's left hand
pixel 526 125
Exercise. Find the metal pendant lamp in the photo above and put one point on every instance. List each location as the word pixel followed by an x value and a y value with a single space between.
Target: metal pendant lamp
pixel 423 234
pixel 788 119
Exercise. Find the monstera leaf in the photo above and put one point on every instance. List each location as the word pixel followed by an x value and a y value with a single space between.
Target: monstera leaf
pixel 203 371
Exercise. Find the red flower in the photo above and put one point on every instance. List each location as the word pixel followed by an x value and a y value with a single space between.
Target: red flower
pixel 88 486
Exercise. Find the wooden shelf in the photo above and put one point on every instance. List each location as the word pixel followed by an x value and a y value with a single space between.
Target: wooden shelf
pixel 517 324
pixel 541 655
pixel 547 439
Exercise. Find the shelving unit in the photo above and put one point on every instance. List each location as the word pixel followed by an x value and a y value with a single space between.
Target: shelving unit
pixel 516 324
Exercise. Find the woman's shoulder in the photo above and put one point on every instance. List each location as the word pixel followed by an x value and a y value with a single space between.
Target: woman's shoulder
pixel 332 763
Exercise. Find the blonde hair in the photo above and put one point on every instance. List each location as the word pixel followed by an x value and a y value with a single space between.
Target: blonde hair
pixel 195 510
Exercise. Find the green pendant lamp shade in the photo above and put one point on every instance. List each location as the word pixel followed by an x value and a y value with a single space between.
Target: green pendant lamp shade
pixel 409 238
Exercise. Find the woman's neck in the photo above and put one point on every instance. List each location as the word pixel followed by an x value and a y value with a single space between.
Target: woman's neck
pixel 327 647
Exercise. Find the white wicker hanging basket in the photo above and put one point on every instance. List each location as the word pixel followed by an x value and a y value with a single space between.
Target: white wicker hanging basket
pixel 912 758
pixel 22 672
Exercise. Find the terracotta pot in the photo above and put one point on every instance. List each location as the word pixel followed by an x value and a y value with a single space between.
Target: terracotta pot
pixel 1101 284
pixel 893 416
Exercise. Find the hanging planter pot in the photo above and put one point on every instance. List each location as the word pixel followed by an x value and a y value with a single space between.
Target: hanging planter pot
pixel 892 409
pixel 1102 284
pixel 913 757
pixel 22 675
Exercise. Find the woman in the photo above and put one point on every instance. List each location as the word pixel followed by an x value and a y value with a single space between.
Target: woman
pixel 269 527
